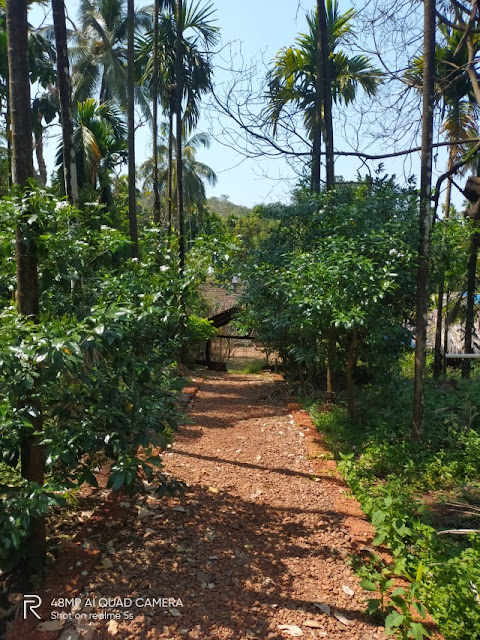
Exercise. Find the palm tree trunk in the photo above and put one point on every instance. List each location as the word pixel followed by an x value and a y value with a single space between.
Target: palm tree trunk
pixel 437 361
pixel 470 315
pixel 65 96
pixel 8 123
pixel 42 167
pixel 323 78
pixel 471 286
pixel 132 196
pixel 170 166
pixel 445 333
pixel 32 453
pixel 317 130
pixel 103 90
pixel 424 217
pixel 178 120
pixel 324 98
pixel 156 193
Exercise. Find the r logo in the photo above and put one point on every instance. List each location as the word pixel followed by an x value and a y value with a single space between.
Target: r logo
pixel 30 603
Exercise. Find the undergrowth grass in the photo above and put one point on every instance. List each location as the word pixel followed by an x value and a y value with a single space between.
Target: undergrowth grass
pixel 406 488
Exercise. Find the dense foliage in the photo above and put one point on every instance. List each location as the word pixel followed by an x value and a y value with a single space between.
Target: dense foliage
pixel 100 363
pixel 407 490
pixel 341 263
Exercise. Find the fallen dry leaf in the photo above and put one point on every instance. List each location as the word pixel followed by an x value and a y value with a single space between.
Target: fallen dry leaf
pixel 50 625
pixel 341 618
pixel 323 607
pixel 347 590
pixel 291 629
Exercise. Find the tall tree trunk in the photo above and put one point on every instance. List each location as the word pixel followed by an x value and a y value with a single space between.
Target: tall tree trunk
pixel 446 330
pixel 324 80
pixel 156 193
pixel 132 195
pixel 65 97
pixel 437 361
pixel 32 454
pixel 170 164
pixel 179 166
pixel 42 167
pixel 324 99
pixel 317 130
pixel 316 180
pixel 103 90
pixel 178 119
pixel 8 125
pixel 471 286
pixel 424 217
pixel 470 315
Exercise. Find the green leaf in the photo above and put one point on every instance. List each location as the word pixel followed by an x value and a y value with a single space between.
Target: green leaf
pixel 373 605
pixel 118 479
pixel 394 620
pixel 418 631
pixel 420 609
pixel 379 538
pixel 368 585
pixel 420 571
pixel 156 461
pixel 378 518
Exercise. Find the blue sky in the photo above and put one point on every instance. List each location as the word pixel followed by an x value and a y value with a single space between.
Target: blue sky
pixel 260 28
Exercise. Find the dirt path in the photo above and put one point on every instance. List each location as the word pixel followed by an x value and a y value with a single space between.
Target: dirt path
pixel 251 546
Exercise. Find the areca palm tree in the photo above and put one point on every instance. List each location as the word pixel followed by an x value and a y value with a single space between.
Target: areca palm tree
pixel 99 144
pixel 199 33
pixel 293 78
pixel 65 99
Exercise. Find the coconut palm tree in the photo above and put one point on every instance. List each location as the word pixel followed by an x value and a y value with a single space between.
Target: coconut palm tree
pixel 99 52
pixel 196 175
pixel 293 78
